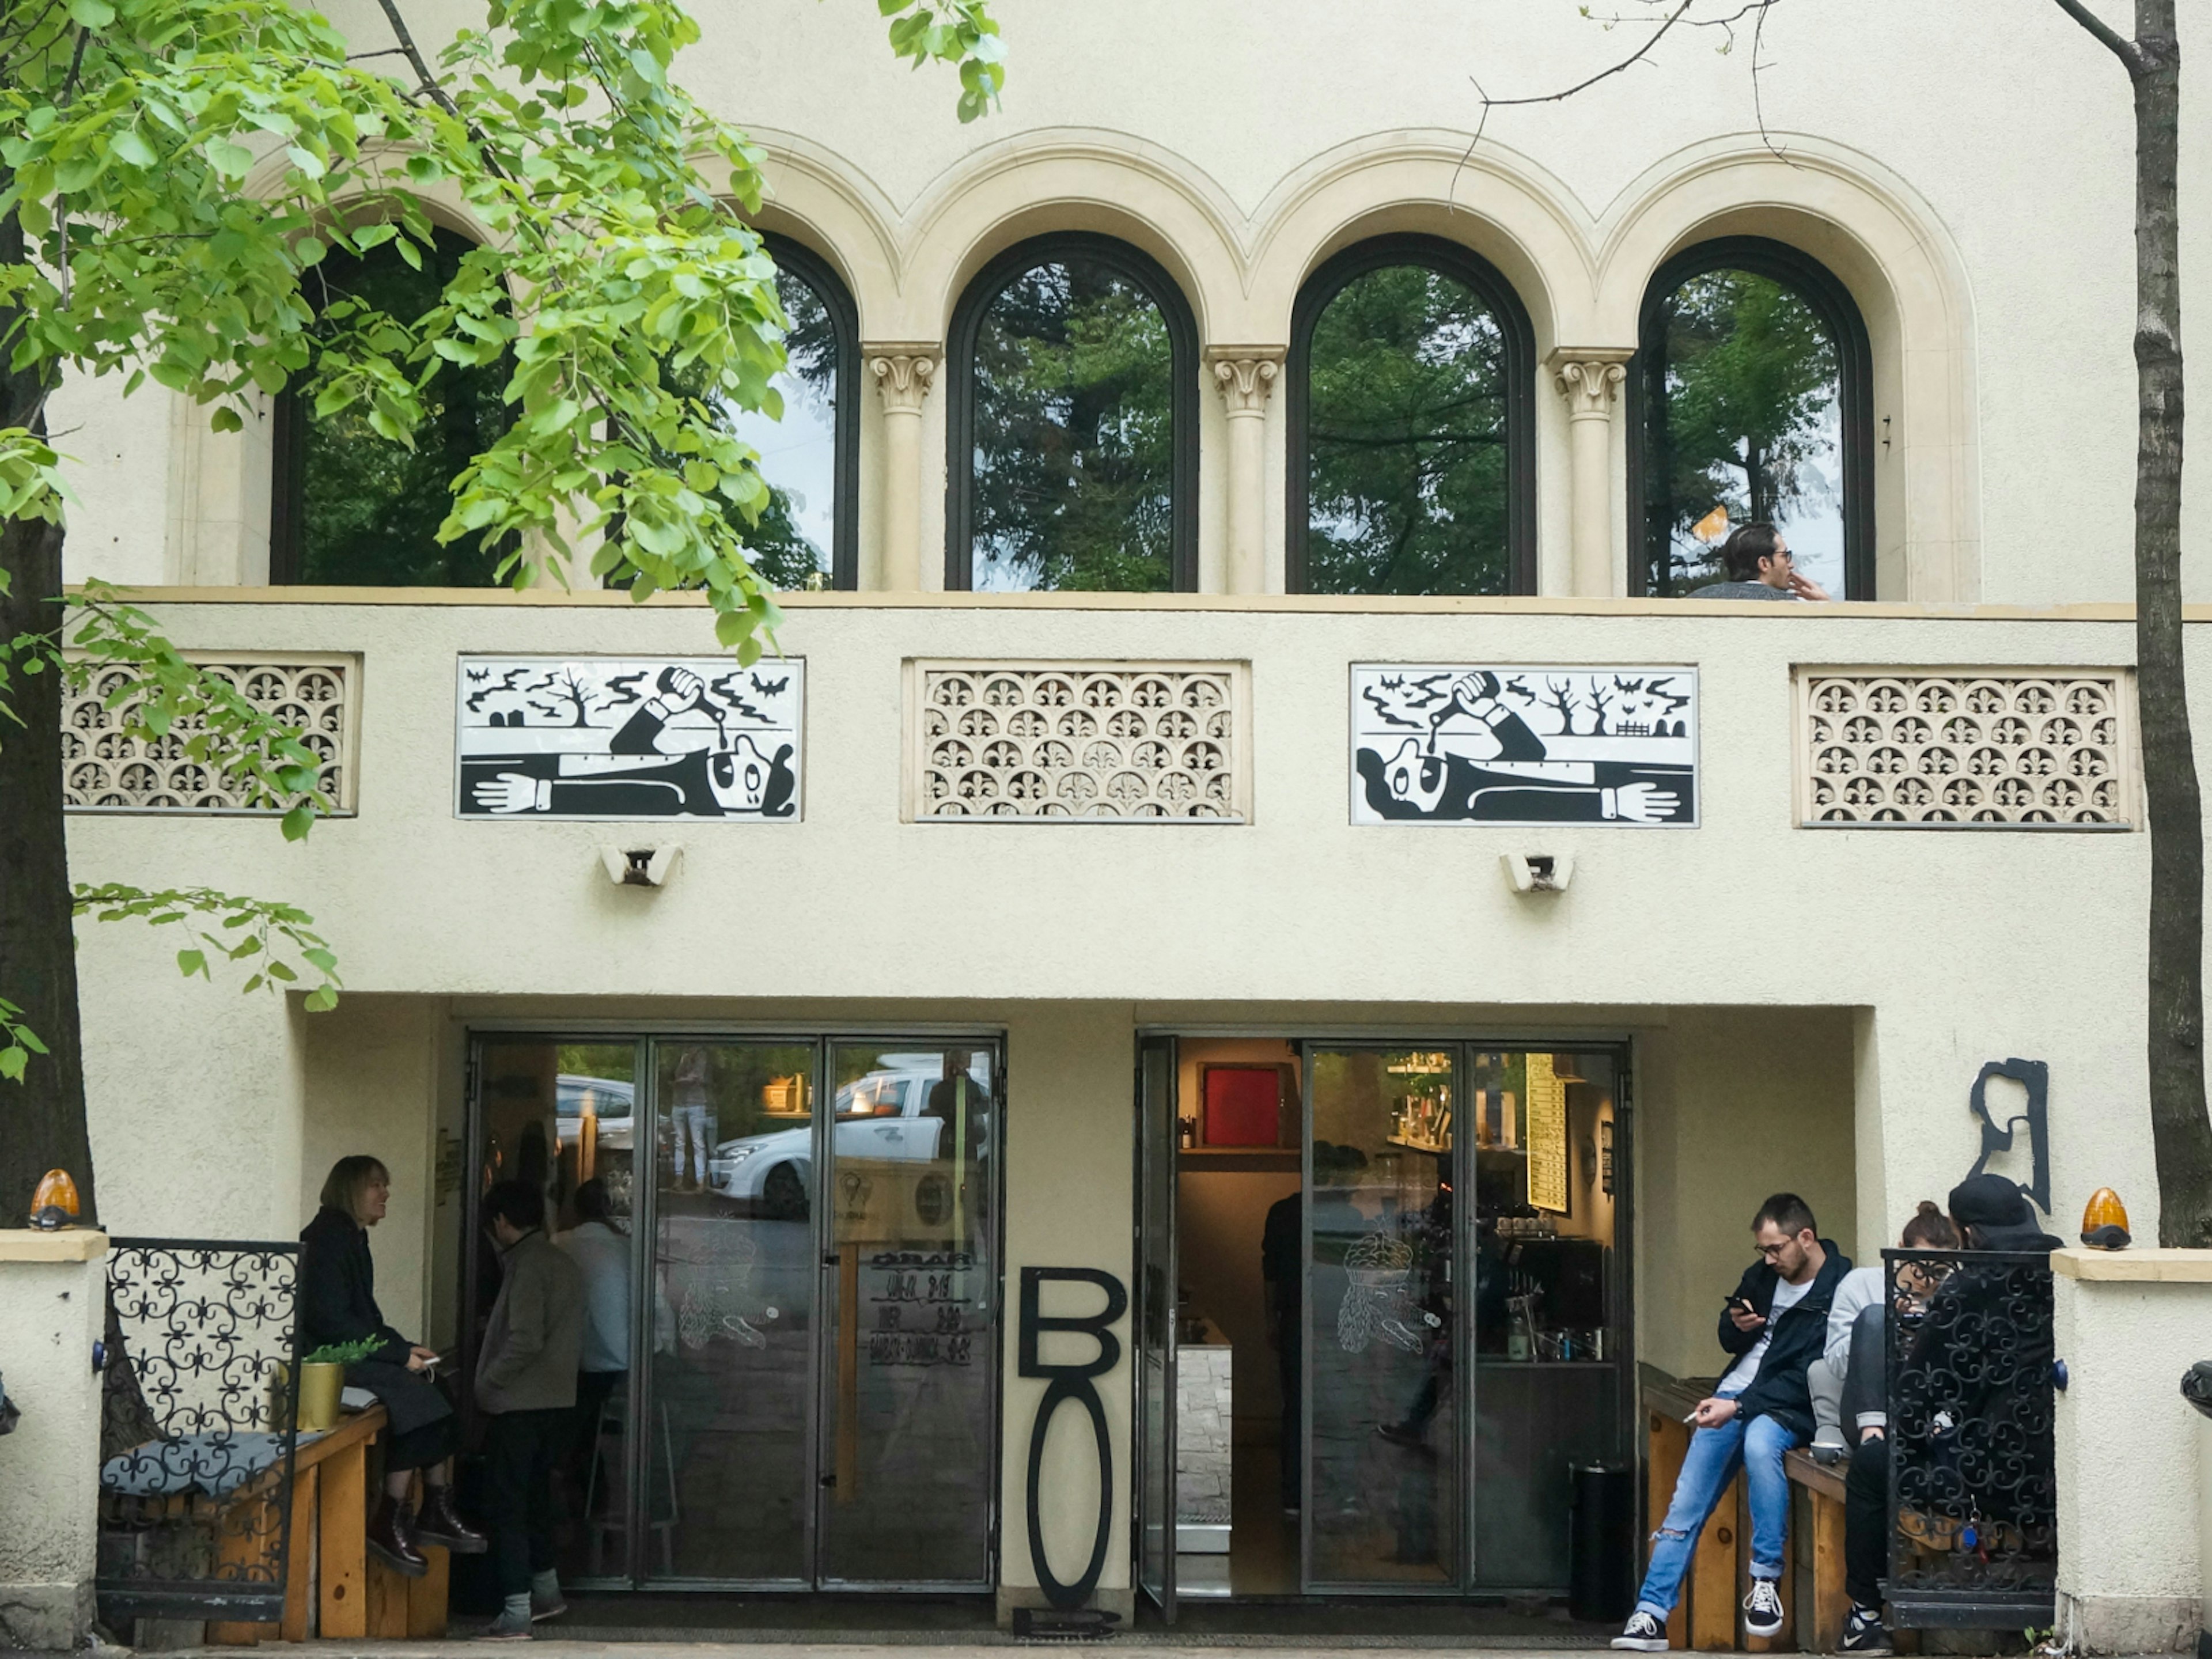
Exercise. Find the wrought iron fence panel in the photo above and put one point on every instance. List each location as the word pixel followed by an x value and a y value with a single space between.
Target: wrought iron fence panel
pixel 198 1428
pixel 1973 1483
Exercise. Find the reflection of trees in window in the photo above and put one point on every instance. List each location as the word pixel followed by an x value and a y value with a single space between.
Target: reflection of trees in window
pixel 353 507
pixel 1073 430
pixel 1408 488
pixel 1751 392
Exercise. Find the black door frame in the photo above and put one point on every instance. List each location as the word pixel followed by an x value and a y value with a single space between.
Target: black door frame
pixel 646 1037
pixel 1623 1051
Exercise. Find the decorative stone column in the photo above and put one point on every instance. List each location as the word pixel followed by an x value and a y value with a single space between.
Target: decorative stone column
pixel 1245 375
pixel 903 371
pixel 1590 379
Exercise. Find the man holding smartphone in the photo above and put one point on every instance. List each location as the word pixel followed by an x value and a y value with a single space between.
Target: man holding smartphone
pixel 1772 1327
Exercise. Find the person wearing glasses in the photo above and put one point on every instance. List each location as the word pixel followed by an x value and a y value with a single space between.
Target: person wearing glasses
pixel 1772 1329
pixel 1760 566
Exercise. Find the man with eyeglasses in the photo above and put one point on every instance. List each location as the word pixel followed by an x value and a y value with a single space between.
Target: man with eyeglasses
pixel 1772 1327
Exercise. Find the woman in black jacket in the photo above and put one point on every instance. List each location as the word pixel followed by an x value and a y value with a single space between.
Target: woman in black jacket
pixel 337 1305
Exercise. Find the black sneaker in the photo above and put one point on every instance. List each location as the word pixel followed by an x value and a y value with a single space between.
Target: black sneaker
pixel 1642 1634
pixel 1864 1633
pixel 1762 1608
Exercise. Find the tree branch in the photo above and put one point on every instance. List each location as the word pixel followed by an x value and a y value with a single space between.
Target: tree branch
pixel 2114 42
pixel 1490 103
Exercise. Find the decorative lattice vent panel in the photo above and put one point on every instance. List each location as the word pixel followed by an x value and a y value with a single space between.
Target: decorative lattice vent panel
pixel 105 769
pixel 1160 743
pixel 1949 747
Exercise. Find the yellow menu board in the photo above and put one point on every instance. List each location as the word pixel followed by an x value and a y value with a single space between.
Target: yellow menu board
pixel 1548 1137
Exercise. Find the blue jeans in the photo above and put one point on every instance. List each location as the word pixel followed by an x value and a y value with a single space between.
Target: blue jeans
pixel 1714 1456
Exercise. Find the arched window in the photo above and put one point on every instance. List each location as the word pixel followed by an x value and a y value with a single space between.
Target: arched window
pixel 1412 413
pixel 1750 399
pixel 1073 439
pixel 809 535
pixel 351 508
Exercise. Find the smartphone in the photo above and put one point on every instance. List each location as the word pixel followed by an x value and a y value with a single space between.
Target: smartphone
pixel 1740 1304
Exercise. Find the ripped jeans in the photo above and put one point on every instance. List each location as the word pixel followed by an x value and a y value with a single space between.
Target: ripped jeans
pixel 1714 1456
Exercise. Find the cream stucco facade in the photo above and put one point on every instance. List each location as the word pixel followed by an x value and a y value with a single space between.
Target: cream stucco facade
pixel 1804 1007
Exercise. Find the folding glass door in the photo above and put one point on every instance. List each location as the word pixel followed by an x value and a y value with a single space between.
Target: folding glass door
pixel 1462 1306
pixel 804 1390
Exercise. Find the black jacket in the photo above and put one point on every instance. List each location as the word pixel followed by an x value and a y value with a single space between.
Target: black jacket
pixel 337 1289
pixel 1780 1390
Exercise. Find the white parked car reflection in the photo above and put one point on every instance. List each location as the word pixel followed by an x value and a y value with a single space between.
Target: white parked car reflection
pixel 880 1116
pixel 612 1102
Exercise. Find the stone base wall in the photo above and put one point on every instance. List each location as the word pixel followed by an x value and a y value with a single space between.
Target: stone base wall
pixel 50 1305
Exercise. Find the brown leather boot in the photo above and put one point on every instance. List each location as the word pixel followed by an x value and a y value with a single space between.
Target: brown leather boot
pixel 442 1523
pixel 388 1540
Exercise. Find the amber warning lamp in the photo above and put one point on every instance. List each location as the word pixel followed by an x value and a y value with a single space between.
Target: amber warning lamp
pixel 2105 1222
pixel 54 1204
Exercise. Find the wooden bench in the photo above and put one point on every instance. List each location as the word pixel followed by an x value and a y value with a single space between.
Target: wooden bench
pixel 334 1587
pixel 1708 1616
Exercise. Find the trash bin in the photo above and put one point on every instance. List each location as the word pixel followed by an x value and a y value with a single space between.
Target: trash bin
pixel 1601 1543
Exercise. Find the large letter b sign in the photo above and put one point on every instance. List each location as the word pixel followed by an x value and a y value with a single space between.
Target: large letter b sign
pixel 1071 1382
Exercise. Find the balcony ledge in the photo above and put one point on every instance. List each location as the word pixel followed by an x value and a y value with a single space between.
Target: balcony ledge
pixel 2147 1264
pixel 78 1244
pixel 551 595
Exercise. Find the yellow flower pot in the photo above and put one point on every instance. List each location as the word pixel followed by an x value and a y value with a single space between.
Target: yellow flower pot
pixel 320 1389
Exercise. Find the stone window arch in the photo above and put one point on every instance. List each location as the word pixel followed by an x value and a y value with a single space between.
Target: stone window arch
pixel 1411 410
pixel 1750 398
pixel 1072 423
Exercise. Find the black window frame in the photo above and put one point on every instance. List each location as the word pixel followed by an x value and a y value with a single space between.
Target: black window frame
pixel 288 471
pixel 1489 284
pixel 288 431
pixel 1825 292
pixel 1134 266
pixel 816 272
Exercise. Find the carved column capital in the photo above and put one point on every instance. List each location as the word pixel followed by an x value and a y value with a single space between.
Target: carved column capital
pixel 1590 378
pixel 902 373
pixel 1591 388
pixel 1245 377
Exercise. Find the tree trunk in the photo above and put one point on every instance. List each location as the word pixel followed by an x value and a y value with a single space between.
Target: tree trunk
pixel 43 1115
pixel 2181 1135
pixel 42 1123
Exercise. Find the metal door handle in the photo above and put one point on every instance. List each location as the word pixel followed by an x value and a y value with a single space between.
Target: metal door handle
pixel 830 1258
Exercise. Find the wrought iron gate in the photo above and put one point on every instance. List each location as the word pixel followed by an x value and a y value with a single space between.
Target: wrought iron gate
pixel 197 1429
pixel 1972 1488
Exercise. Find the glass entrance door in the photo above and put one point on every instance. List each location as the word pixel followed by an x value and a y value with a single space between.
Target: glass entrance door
pixel 1383 1472
pixel 790 1250
pixel 908 1292
pixel 1448 1309
pixel 1157 1074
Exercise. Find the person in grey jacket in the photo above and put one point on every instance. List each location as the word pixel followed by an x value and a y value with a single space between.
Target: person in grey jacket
pixel 1861 1290
pixel 525 1386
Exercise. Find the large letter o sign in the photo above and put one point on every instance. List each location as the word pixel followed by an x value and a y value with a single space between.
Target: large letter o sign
pixel 1071 1382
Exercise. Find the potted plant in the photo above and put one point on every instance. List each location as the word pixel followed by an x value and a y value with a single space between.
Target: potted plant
pixel 322 1383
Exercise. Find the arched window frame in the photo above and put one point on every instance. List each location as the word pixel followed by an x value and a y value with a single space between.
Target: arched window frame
pixel 287 435
pixel 1133 265
pixel 1489 284
pixel 1821 288
pixel 816 272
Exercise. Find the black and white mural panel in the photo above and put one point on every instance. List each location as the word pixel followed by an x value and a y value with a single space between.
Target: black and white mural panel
pixel 1438 743
pixel 610 739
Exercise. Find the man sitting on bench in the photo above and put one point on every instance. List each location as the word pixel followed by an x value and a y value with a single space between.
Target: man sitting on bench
pixel 1772 1329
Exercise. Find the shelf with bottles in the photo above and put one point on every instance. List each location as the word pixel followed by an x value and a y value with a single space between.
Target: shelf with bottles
pixel 1423 1122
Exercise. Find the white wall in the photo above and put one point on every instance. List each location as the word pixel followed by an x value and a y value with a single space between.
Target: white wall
pixel 51 1305
pixel 2132 1453
pixel 1982 218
